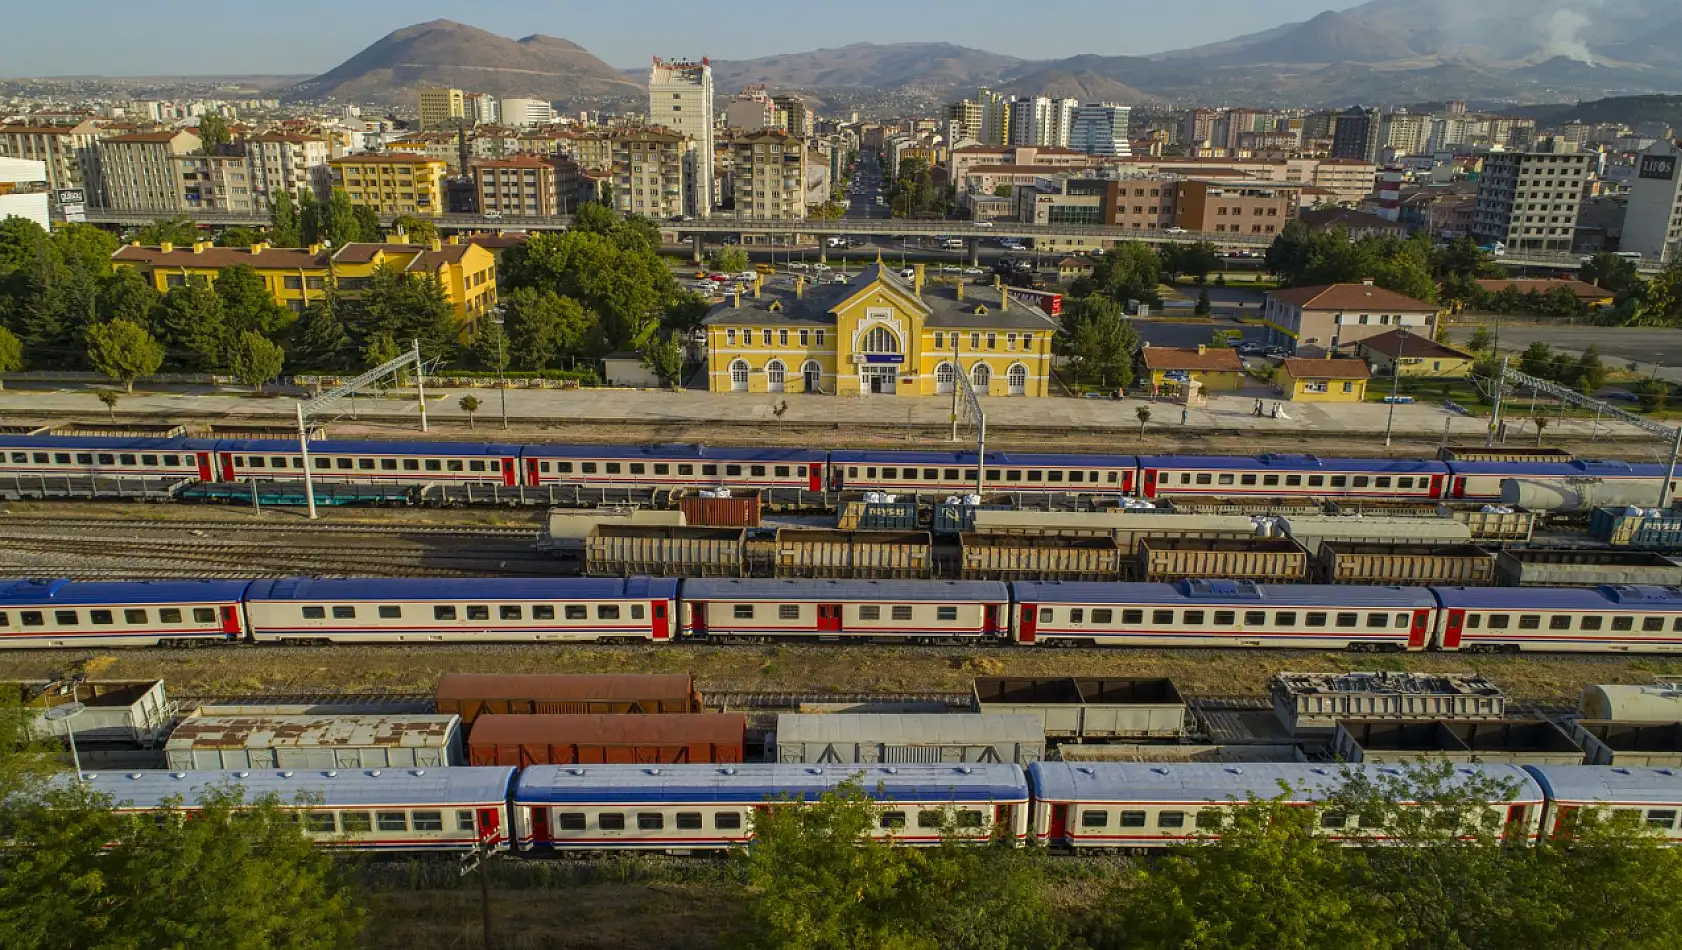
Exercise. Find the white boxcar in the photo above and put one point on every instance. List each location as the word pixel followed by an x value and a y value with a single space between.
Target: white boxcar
pixel 868 738
pixel 315 742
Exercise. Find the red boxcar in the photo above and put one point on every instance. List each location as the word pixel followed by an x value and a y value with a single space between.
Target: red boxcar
pixel 607 739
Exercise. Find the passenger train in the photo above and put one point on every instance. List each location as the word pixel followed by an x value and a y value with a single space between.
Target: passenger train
pixel 1081 808
pixel 809 475
pixel 1190 613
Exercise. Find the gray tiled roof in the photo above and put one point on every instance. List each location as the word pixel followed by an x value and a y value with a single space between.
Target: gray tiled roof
pixel 940 304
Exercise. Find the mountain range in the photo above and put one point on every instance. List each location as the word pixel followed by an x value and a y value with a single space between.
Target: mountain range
pixel 1380 52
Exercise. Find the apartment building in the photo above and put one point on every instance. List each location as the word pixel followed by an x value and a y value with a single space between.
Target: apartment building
pixel 140 172
pixel 20 194
pixel 1251 208
pixel 750 111
pixel 521 186
pixel 792 115
pixel 69 152
pixel 1357 134
pixel 221 183
pixel 593 150
pixel 1326 318
pixel 480 109
pixel 1530 200
pixel 1101 129
pixel 467 272
pixel 288 163
pixel 680 98
pixel 770 176
pixel 1653 223
pixel 392 183
pixel 650 170
pixel 441 107
pixel 1406 133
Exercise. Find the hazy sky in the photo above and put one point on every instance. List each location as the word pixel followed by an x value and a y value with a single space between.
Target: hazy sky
pixel 175 37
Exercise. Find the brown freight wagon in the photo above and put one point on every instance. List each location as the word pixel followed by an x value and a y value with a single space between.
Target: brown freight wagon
pixel 522 741
pixel 737 511
pixel 471 695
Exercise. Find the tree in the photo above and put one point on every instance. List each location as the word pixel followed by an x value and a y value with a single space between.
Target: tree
pixel 1144 414
pixel 1591 371
pixel 213 132
pixel 1537 359
pixel 1203 307
pixel 311 218
pixel 339 224
pixel 594 218
pixel 109 397
pixel 1103 343
pixel 617 276
pixel 367 223
pixel 123 351
pixel 379 350
pixel 1613 274
pixel 663 355
pixel 284 226
pixel 247 303
pixel 179 230
pixel 191 323
pixel 319 340
pixel 1541 423
pixel 403 307
pixel 829 211
pixel 11 353
pixel 730 260
pixel 685 311
pixel 1198 260
pixel 85 248
pixel 490 347
pixel 238 237
pixel 1130 270
pixel 469 405
pixel 1653 393
pixel 419 230
pixel 1482 340
pixel 1003 191
pixel 542 326
pixel 254 360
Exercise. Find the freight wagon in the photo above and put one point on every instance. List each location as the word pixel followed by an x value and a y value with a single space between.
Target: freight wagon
pixel 596 739
pixel 471 695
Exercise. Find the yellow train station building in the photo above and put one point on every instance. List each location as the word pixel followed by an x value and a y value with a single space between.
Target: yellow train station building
pixel 879 334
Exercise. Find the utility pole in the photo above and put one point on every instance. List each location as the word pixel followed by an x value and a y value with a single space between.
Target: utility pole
pixel 501 365
pixel 1495 417
pixel 955 387
pixel 1395 384
pixel 308 408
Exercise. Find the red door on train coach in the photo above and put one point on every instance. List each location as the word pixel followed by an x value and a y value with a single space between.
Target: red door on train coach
pixel 203 458
pixel 1437 482
pixel 1150 483
pixel 990 620
pixel 814 483
pixel 660 626
pixel 227 473
pixel 531 474
pixel 1451 631
pixel 1418 633
pixel 540 825
pixel 1059 823
pixel 829 618
pixel 490 825
pixel 510 474
pixel 230 621
pixel 1028 628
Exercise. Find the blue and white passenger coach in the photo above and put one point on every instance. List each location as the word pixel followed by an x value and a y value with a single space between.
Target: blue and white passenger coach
pixel 1652 794
pixel 480 609
pixel 1287 476
pixel 671 467
pixel 106 456
pixel 65 613
pixel 757 611
pixel 1621 619
pixel 1105 476
pixel 455 463
pixel 682 808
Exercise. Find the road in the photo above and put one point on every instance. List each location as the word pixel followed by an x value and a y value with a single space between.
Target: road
pixel 1649 349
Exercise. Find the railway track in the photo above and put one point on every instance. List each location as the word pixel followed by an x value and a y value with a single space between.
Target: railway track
pixel 302 527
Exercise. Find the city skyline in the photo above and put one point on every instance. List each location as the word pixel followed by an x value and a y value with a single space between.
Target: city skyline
pixel 147 41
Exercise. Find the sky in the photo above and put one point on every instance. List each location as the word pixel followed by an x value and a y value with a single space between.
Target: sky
pixel 192 37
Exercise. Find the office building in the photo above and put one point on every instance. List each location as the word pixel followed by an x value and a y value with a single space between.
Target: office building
pixel 441 108
pixel 521 113
pixel 680 98
pixel 1530 200
pixel 392 183
pixel 481 109
pixel 1252 208
pixel 139 169
pixel 1101 129
pixel 1653 223
pixel 650 168
pixel 1356 136
pixel 793 115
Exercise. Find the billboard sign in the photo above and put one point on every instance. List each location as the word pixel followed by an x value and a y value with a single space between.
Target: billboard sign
pixel 1051 303
pixel 70 196
pixel 1658 167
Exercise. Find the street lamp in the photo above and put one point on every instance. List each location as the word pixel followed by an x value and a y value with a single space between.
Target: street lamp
pixel 1395 383
pixel 64 714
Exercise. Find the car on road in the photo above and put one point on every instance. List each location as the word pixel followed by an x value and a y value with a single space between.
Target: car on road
pixel 835 242
pixel 983 224
pixel 910 273
pixel 748 276
pixel 1250 348
pixel 1619 395
pixel 797 265
pixel 974 272
pixel 764 269
pixel 491 214
pixel 838 278
pixel 1175 231
pixel 1276 352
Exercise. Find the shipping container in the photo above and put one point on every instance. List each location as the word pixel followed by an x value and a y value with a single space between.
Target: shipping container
pixel 878 516
pixel 471 695
pixel 1651 745
pixel 737 511
pixel 612 551
pixel 1313 531
pixel 314 742
pixel 587 739
pixel 1314 702
pixel 861 555
pixel 1510 742
pixel 957 519
pixel 1088 707
pixel 992 557
pixel 1644 528
pixel 1130 527
pixel 1485 522
pixel 908 738
pixel 567 528
pixel 129 712
pixel 1618 703
pixel 1280 560
pixel 1419 565
pixel 1574 568
pixel 1062 524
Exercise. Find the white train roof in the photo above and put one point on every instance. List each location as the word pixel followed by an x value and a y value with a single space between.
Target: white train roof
pixel 1198 782
pixel 755 783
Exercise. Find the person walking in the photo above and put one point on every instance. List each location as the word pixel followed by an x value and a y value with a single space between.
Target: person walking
pixel 1184 415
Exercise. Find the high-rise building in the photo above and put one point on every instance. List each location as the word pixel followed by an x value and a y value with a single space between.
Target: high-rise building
pixel 967 114
pixel 1101 129
pixel 140 172
pixel 441 107
pixel 70 152
pixel 1653 223
pixel 680 98
pixel 1021 121
pixel 649 167
pixel 521 113
pixel 481 109
pixel 1406 132
pixel 796 117
pixel 1060 122
pixel 995 118
pixel 520 186
pixel 1356 135
pixel 1530 200
pixel 769 176
pixel 287 163
pixel 750 111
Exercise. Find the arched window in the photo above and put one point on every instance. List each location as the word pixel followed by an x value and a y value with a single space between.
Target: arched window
pixel 776 376
pixel 980 377
pixel 879 339
pixel 945 377
pixel 739 376
pixel 1017 377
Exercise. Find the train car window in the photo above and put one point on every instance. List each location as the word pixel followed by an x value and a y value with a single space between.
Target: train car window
pixel 352 821
pixel 61 458
pixel 1652 624
pixel 587 468
pixel 429 821
pixel 322 463
pixel 577 612
pixel 951 474
pixel 1225 479
pixel 571 821
pixel 1293 481
pixel 342 463
pixel 83 458
pixel 1378 621
pixel 1103 616
pixel 1676 625
pixel 607 611
pixel 1499 621
pixel 1035 475
pixel 902 613
pixel 1661 817
pixel 106 459
pixel 801 471
pixel 1077 615
pixel 256 461
pixel 732 470
pixel 1171 819
pixel 1225 618
pixel 65 618
pixel 41 458
pixel 1192 617
pixel 1013 475
pixel 1314 619
pixel 452 465
pixel 563 468
pixel 1382 481
pixel 366 465
pixel 392 820
pixel 742 612
pixel 757 471
pixel 992 474
pixel 1094 818
pixel 610 821
pixel 1285 618
pixel 614 468
pixel 388 465
pixel 709 470
pixel 637 468
pixel 1132 616
pixel 636 611
pixel 1474 621
pixel 1348 619
pixel 1623 623
pixel 1162 616
pixel 928 818
pixel 1133 819
pixel 1114 477
pixel 391 613
pixel 542 612
pixel 478 612
pixel 688 820
pixel 464 820
pixel 1361 481
pixel 1185 478
pixel 1559 622
pixel 1333 819
pixel 1045 615
pixel 946 613
pixel 149 460
pixel 413 465
pixel 1255 617
pixel 320 822
pixel 99 616
pixel 1316 481
pixel 1530 622
pixel 969 474
pixel 443 613
pixel 1074 477
pixel 727 820
pixel 650 821
pixel 892 473
pixel 344 613
pixel 165 615
pixel 788 611
pixel 31 618
pixel 1340 481
pixel 870 612
pixel 20 458
pixel 1408 483
pixel 1204 478
pixel 1247 480
pixel 1208 818
pixel 931 474
pixel 510 612
pixel 131 616
pixel 662 468
pixel 1270 481
pixel 892 819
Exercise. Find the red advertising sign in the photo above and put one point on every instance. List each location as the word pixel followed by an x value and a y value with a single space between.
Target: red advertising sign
pixel 1051 303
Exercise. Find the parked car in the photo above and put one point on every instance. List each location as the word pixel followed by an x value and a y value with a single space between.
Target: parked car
pixel 764 269
pixel 1175 231
pixel 983 224
pixel 748 276
pixel 974 272
pixel 797 265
